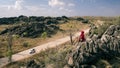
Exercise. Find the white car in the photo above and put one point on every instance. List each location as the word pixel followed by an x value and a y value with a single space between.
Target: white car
pixel 32 51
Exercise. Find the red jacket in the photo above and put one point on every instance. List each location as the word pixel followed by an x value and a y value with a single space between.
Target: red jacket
pixel 82 36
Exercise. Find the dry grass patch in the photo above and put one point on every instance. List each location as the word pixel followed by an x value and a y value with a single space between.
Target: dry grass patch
pixel 54 56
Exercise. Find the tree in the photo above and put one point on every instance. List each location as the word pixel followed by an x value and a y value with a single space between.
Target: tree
pixel 10 39
pixel 70 29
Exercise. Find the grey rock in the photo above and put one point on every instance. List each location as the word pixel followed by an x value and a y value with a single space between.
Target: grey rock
pixel 106 47
pixel 110 30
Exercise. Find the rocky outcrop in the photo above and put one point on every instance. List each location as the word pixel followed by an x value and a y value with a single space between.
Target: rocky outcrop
pixel 86 54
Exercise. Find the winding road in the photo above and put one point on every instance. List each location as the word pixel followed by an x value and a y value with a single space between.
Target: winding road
pixel 38 49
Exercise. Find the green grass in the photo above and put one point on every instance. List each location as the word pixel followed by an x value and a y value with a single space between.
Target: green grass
pixel 102 28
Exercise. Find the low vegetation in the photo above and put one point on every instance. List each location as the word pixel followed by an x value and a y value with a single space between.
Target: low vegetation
pixel 35 32
pixel 56 57
pixel 103 27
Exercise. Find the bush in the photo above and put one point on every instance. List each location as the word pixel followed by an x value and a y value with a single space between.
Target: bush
pixel 9 54
pixel 116 65
pixel 25 44
pixel 85 21
pixel 25 34
pixel 3 39
pixel 79 19
pixel 103 64
pixel 15 36
pixel 44 35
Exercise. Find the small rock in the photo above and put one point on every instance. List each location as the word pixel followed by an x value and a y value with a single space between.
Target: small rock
pixel 66 66
pixel 50 66
pixel 70 61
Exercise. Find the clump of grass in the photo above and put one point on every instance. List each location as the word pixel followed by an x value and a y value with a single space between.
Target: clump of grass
pixel 103 64
pixel 116 65
pixel 25 44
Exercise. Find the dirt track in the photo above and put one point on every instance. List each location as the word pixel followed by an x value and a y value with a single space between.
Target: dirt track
pixel 25 54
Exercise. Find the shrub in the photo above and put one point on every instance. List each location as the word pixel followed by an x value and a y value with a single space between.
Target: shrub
pixel 44 35
pixel 103 64
pixel 116 65
pixel 9 54
pixel 79 19
pixel 85 21
pixel 3 39
pixel 25 44
pixel 25 34
pixel 15 36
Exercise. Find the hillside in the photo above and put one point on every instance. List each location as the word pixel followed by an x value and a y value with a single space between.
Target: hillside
pixel 36 31
pixel 32 30
pixel 33 26
pixel 102 46
pixel 82 55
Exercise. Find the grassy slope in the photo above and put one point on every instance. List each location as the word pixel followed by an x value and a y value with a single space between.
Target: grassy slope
pixel 44 58
pixel 18 43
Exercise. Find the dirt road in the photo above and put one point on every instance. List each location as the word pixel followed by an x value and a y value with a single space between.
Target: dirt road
pixel 25 54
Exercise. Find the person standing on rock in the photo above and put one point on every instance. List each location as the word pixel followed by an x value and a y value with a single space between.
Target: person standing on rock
pixel 81 37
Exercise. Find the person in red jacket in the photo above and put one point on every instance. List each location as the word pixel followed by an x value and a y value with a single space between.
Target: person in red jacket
pixel 82 37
